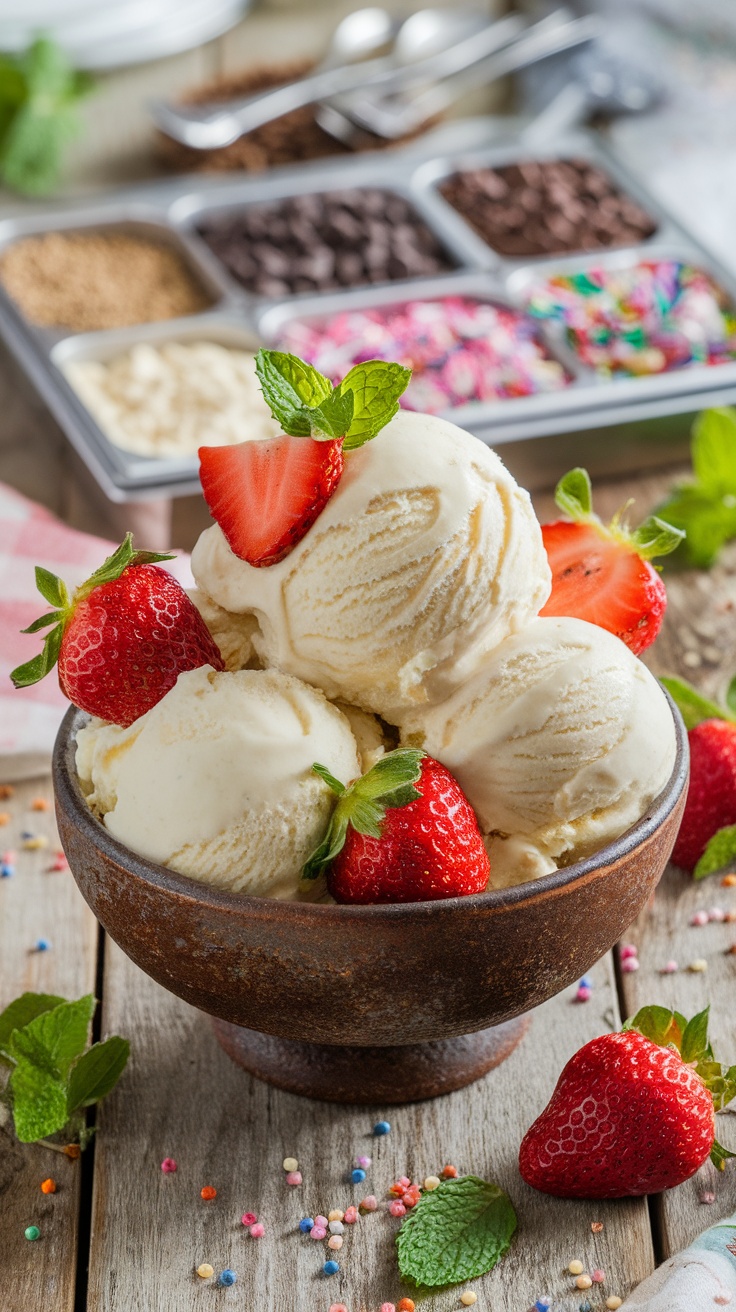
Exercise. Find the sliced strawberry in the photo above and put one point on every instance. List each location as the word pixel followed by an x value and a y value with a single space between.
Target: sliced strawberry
pixel 601 573
pixel 600 579
pixel 266 495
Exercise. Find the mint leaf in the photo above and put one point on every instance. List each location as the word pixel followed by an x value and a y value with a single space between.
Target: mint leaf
pixel 25 1009
pixel 708 522
pixel 54 1039
pixel 693 707
pixel 714 451
pixel 720 852
pixel 97 1072
pixel 39 1102
pixel 659 1024
pixel 574 494
pixel 375 387
pixel 291 389
pixel 695 1038
pixel 38 90
pixel 458 1232
pixel 390 783
pixel 656 538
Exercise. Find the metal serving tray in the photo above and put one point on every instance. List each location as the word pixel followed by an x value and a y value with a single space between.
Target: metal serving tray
pixel 609 425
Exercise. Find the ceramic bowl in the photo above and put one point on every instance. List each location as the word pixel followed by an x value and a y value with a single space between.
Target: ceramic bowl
pixel 317 998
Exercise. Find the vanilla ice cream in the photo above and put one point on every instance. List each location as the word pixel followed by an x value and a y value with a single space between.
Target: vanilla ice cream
pixel 560 741
pixel 427 555
pixel 215 781
pixel 232 633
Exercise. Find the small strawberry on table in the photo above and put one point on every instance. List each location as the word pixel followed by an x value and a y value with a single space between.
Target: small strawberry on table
pixel 602 573
pixel 706 842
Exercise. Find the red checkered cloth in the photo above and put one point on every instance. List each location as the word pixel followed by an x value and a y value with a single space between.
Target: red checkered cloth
pixel 30 536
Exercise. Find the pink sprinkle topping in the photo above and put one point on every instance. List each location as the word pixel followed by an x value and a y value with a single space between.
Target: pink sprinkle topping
pixel 629 950
pixel 388 1307
pixel 397 1208
pixel 338 1307
pixel 351 1216
pixel 707 1196
pixel 369 1204
pixel 700 918
pixel 257 1231
pixel 168 1165
pixel 598 1275
pixel 321 1220
pixel 318 1232
pixel 364 1162
pixel 669 968
pixel 717 914
pixel 583 994
pixel 294 1177
pixel 249 1218
pixel 629 965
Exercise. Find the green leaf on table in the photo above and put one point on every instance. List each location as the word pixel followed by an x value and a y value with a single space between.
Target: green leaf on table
pixel 456 1233
pixel 53 1040
pixel 574 494
pixel 39 1102
pixel 719 853
pixel 659 1024
pixel 693 707
pixel 375 387
pixel 23 1010
pixel 708 521
pixel 97 1072
pixel 714 451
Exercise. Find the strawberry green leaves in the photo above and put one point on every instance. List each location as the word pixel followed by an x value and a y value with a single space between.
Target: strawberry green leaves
pixel 654 537
pixel 706 506
pixel 363 804
pixel 55 592
pixel 306 404
pixel 693 707
pixel 690 1038
pixel 455 1233
pixel 54 1076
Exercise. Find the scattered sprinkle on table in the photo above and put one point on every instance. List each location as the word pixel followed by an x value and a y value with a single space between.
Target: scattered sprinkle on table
pixel 699 918
pixel 4 818
pixel 305 1225
pixel 629 965
pixel 48 1186
pixel 717 915
pixel 449 1172
pixel 596 1227
pixel 370 1203
pixel 208 1192
pixel 728 881
pixel 32 1233
pixel 396 1208
pixel 707 1197
pixel 543 1304
pixel 331 1268
pixel 468 1298
pixel 583 1282
pixel 406 1305
pixel 365 1162
pixel 431 1183
pixel 35 842
pixel 598 1276
pixel 250 1218
pixel 6 791
pixel 257 1231
pixel 227 1277
pixel 40 804
pixel 294 1178
pixel 585 1307
pixel 335 1242
pixel 205 1270
pixel 336 1227
pixel 168 1166
pixel 357 1176
pixel 669 968
pixel 388 1307
pixel 290 1164
pixel 698 966
pixel 338 1307
pixel 583 993
pixel 351 1215
pixel 613 1302
pixel 335 1214
pixel 575 1268
pixel 43 944
pixel 6 870
pixel 381 1128
pixel 318 1232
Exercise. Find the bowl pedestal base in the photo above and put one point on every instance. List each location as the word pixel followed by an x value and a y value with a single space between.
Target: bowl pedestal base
pixel 370 1075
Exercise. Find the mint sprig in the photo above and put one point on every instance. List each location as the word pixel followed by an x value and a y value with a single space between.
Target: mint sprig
pixel 670 1029
pixel 306 404
pixel 54 1075
pixel 363 804
pixel 457 1232
pixel 38 94
pixel 654 537
pixel 55 592
pixel 705 506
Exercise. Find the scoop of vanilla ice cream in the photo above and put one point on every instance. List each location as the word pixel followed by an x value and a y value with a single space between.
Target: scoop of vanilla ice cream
pixel 560 742
pixel 215 781
pixel 426 556
pixel 232 633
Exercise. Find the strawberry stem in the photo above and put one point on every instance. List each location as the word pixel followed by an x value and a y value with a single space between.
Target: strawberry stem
pixel 574 497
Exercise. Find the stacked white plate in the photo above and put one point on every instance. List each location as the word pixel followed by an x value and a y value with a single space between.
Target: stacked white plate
pixel 99 34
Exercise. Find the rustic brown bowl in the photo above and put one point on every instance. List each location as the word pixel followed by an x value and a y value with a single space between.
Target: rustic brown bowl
pixel 332 1001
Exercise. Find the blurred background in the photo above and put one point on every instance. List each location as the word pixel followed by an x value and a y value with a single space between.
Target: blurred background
pixel 134 107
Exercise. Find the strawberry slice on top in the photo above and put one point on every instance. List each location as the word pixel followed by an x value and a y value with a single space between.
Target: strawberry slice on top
pixel 602 573
pixel 266 495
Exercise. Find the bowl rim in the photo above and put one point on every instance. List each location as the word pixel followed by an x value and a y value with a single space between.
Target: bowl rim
pixel 71 800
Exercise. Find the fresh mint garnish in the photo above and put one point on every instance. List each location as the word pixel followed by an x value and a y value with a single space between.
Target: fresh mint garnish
pixel 705 507
pixel 54 590
pixel 574 497
pixel 690 1038
pixel 306 404
pixel 38 94
pixel 457 1232
pixel 54 1076
pixel 363 804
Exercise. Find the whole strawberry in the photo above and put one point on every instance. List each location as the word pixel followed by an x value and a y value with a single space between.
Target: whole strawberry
pixel 122 639
pixel 707 838
pixel 602 573
pixel 390 841
pixel 632 1113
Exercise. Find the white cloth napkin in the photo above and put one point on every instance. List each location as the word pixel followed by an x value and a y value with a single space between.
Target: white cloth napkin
pixel 30 536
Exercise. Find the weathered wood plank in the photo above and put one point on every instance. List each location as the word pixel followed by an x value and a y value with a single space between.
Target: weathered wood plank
pixel 37 904
pixel 181 1097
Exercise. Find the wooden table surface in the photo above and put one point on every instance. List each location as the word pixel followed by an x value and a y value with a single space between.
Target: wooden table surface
pixel 120 1236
